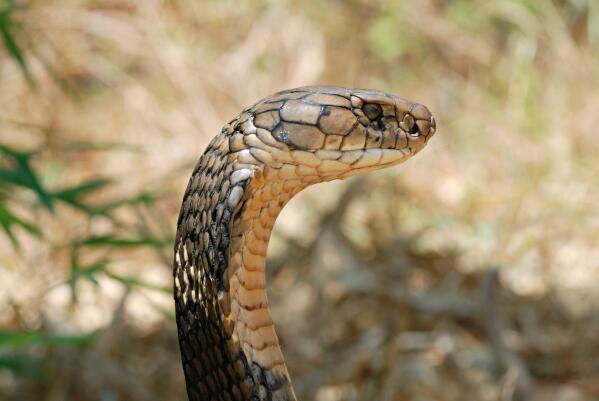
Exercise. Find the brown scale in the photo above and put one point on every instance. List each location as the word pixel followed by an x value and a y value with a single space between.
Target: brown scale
pixel 262 158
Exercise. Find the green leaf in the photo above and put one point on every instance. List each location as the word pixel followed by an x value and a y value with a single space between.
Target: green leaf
pixel 22 365
pixel 22 174
pixel 131 281
pixel 145 198
pixel 112 146
pixel 73 195
pixel 7 220
pixel 113 241
pixel 7 29
pixel 15 340
pixel 88 272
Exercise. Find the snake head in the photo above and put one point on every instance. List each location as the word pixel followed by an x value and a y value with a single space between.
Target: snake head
pixel 346 131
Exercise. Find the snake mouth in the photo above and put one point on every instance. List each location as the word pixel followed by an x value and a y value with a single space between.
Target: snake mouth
pixel 358 161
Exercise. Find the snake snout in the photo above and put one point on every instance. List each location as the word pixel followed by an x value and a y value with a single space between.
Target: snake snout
pixel 416 123
pixel 424 122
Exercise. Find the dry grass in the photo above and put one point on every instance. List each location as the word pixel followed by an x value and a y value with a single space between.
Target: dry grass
pixel 391 297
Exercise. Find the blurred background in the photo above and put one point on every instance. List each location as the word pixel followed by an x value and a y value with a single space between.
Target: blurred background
pixel 469 273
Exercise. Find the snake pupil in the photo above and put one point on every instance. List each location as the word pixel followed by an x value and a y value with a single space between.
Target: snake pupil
pixel 372 111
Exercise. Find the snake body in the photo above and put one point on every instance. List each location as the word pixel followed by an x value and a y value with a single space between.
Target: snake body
pixel 264 156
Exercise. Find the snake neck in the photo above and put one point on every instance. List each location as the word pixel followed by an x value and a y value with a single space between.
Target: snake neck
pixel 245 306
pixel 228 343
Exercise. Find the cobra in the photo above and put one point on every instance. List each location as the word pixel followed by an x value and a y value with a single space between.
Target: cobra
pixel 248 172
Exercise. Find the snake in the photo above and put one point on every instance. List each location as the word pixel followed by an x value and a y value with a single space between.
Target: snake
pixel 247 173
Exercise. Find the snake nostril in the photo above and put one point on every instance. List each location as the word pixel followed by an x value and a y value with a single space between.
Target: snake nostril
pixel 415 130
pixel 408 124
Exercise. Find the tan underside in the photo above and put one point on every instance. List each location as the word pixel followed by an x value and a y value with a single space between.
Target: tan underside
pixel 247 314
pixel 247 319
pixel 245 307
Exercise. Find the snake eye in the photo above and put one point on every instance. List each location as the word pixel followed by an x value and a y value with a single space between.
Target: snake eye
pixel 372 111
